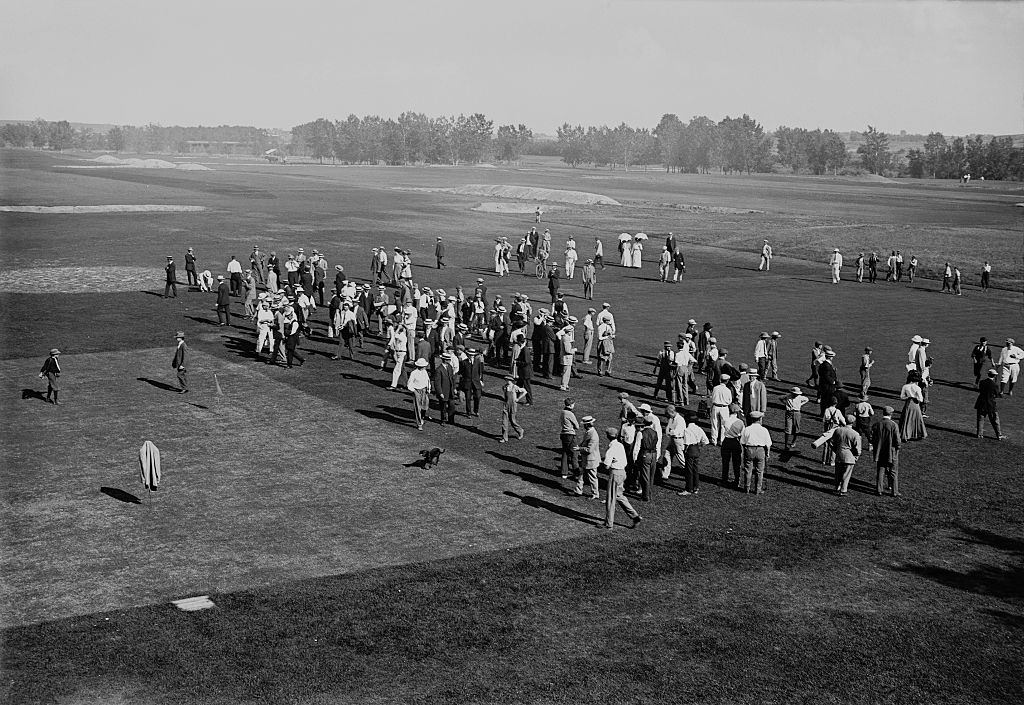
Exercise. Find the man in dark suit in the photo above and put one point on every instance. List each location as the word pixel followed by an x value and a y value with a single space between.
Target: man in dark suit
pixel 444 389
pixel 471 381
pixel 190 268
pixel 51 370
pixel 223 301
pixel 179 362
pixel 885 445
pixel 171 288
pixel 828 380
pixel 525 371
pixel 988 392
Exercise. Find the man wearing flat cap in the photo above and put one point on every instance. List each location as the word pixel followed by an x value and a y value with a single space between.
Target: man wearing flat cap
pixel 51 370
pixel 590 459
pixel 985 406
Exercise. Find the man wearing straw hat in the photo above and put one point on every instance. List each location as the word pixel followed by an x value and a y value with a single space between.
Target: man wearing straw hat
pixel 836 264
pixel 419 384
pixel 51 370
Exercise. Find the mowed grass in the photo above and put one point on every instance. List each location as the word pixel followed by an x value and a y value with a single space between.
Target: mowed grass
pixel 495 586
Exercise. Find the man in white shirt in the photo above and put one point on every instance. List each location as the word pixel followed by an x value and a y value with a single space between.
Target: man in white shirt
pixel 675 448
pixel 721 398
pixel 1009 363
pixel 588 335
pixel 682 373
pixel 235 272
pixel 419 384
pixel 766 257
pixel 598 253
pixel 693 438
pixel 615 463
pixel 836 263
pixel 757 444
pixel 732 451
pixel 761 354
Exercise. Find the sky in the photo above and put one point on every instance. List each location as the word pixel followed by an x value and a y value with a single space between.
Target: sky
pixel 956 68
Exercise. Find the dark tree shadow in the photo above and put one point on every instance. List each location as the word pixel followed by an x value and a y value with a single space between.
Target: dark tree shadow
pixel 27 393
pixel 539 503
pixel 158 294
pixel 120 495
pixel 158 384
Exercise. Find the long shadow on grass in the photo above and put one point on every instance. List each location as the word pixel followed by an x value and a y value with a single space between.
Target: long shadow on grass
pixel 120 495
pixel 241 347
pixel 788 476
pixel 158 384
pixel 386 416
pixel 539 503
pixel 552 482
pixel 33 394
pixel 207 321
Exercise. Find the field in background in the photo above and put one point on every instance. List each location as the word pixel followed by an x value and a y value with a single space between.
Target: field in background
pixel 344 573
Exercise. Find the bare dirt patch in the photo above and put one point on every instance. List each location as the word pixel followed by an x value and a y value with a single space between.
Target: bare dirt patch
pixel 117 208
pixel 508 208
pixel 79 280
pixel 528 193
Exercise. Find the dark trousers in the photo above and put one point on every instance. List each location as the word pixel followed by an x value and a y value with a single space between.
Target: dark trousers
pixel 645 474
pixel 524 382
pixel 473 395
pixel 291 345
pixel 664 380
pixel 193 279
pixel 569 468
pixel 170 289
pixel 447 408
pixel 692 470
pixel 732 454
pixel 183 378
pixel 224 314
pixel 887 473
pixel 236 283
pixel 993 418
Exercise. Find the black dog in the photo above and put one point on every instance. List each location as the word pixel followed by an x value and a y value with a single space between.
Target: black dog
pixel 431 457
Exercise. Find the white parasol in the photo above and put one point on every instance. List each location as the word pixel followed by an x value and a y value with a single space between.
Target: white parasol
pixel 640 236
pixel 625 236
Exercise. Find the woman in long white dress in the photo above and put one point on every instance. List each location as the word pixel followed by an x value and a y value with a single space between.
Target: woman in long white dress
pixel 638 253
pixel 627 253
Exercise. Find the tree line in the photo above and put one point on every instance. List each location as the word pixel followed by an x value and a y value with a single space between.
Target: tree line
pixel 60 135
pixel 732 144
pixel 410 139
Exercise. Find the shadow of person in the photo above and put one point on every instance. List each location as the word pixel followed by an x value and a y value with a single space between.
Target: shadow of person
pixel 33 394
pixel 539 503
pixel 158 384
pixel 120 495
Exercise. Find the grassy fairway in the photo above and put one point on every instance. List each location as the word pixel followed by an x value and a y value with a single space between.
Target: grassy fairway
pixel 344 573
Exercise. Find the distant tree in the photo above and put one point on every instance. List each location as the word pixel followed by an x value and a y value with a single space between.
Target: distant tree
pixel 833 151
pixel 371 139
pixel 874 153
pixel 116 139
pixel 40 132
pixel 668 134
pixel 474 135
pixel 511 141
pixel 745 147
pixel 393 143
pixel 648 151
pixel 601 147
pixel 957 160
pixel 16 134
pixel 999 158
pixel 416 130
pixel 624 138
pixel 916 163
pixel 572 144
pixel 976 154
pixel 61 135
pixel 346 140
pixel 796 147
pixel 935 154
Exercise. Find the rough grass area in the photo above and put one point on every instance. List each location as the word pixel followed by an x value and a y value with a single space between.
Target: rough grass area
pixel 342 575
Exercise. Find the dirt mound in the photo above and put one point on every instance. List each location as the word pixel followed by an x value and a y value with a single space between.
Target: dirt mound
pixel 534 194
pixel 80 280
pixel 511 208
pixel 108 160
pixel 156 208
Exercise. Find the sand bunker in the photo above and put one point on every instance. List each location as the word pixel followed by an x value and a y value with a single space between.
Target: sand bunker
pixel 511 208
pixel 527 193
pixel 718 210
pixel 81 280
pixel 108 161
pixel 154 208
